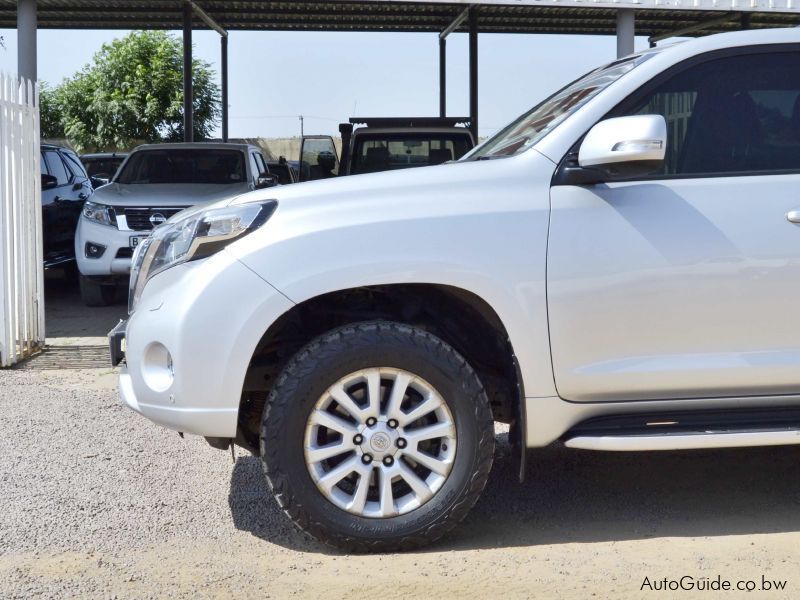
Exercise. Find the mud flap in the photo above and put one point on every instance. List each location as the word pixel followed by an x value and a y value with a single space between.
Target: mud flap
pixel 518 432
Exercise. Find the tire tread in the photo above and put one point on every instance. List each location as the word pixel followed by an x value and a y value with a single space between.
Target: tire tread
pixel 302 366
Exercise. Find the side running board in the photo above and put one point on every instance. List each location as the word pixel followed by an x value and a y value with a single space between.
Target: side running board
pixel 688 430
pixel 684 441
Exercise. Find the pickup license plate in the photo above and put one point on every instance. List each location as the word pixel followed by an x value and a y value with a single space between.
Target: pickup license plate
pixel 134 240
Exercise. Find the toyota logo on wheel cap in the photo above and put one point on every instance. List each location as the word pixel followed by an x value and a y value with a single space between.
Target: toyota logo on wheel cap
pixel 157 219
pixel 380 442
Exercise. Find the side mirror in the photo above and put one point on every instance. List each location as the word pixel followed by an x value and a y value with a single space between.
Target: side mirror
pixel 266 180
pixel 625 146
pixel 48 181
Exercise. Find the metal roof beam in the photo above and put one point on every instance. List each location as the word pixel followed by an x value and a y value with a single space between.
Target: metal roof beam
pixel 696 27
pixel 206 18
pixel 456 23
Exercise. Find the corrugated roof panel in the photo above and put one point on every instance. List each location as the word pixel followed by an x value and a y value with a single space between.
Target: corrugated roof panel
pixel 653 17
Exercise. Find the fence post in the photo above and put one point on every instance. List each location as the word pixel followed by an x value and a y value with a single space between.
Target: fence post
pixel 21 270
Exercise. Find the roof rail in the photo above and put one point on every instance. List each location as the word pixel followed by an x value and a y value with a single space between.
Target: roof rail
pixel 410 121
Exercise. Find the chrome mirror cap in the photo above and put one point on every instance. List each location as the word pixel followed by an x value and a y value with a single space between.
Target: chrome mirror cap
pixel 638 138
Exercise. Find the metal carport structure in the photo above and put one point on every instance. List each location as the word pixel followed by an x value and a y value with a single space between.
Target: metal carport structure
pixel 657 19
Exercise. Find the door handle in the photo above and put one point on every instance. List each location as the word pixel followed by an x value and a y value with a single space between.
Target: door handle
pixel 793 216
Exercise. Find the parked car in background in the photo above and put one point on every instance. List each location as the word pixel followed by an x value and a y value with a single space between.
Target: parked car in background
pixel 385 144
pixel 65 187
pixel 616 269
pixel 284 170
pixel 101 166
pixel 155 182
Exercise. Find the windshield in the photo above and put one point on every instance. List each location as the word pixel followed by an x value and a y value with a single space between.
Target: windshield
pixel 381 152
pixel 102 166
pixel 178 165
pixel 537 122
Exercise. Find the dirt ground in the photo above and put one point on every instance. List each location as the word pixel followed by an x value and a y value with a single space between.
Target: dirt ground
pixel 98 502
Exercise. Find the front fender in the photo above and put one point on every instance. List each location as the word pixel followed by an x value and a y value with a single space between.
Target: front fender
pixel 485 232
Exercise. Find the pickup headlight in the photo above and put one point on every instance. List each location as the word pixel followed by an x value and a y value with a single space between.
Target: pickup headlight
pixel 196 235
pixel 99 213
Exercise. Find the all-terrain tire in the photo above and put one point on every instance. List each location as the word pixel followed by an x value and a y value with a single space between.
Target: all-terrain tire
pixel 326 360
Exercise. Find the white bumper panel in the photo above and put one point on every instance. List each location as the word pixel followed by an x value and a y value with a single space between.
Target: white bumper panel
pixel 126 395
pixel 200 421
pixel 110 237
pixel 209 317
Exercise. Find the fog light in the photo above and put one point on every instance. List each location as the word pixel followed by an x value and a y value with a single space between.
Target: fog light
pixel 93 250
pixel 157 369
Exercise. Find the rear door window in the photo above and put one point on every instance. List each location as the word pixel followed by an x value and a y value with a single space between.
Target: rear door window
pixel 74 165
pixel 56 167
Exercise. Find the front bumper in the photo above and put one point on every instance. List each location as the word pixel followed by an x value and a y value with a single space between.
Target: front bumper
pixel 116 258
pixel 189 343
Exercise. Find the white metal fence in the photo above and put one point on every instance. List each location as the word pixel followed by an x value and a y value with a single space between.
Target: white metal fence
pixel 21 272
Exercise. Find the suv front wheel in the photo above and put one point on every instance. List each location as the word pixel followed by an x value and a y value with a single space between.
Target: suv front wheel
pixel 377 437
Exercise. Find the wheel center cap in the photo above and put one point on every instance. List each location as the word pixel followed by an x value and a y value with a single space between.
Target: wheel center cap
pixel 380 442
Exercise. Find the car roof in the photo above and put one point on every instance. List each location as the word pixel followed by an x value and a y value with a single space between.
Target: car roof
pixel 197 146
pixel 730 39
pixel 422 130
pixel 54 147
pixel 103 155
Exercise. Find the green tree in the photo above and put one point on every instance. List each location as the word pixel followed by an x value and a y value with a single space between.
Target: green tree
pixel 133 93
pixel 49 113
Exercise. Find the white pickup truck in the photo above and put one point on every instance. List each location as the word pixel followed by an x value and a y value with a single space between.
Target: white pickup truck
pixel 618 269
pixel 153 183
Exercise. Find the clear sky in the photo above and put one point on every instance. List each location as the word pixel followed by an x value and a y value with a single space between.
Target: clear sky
pixel 329 77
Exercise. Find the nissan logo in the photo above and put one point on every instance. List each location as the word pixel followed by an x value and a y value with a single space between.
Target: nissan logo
pixel 157 219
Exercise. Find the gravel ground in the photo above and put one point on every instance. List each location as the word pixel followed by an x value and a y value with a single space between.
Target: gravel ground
pixel 96 501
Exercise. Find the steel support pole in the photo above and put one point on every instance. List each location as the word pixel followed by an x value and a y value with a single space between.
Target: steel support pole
pixel 26 39
pixel 224 58
pixel 188 120
pixel 442 77
pixel 473 72
pixel 626 25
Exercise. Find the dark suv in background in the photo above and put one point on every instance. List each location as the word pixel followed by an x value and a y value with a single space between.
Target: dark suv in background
pixel 65 187
pixel 101 166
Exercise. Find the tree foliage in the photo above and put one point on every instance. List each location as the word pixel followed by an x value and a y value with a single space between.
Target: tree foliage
pixel 132 93
pixel 49 113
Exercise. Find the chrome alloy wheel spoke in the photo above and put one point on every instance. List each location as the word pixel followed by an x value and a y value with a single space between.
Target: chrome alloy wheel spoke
pixel 380 442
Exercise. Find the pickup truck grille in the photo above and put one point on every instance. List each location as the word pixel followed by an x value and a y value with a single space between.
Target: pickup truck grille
pixel 140 219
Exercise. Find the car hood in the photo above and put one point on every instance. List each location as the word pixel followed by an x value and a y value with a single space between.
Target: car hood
pixel 341 192
pixel 469 187
pixel 166 194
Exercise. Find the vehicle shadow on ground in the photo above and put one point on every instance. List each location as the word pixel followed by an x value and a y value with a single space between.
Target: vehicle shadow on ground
pixel 66 316
pixel 579 496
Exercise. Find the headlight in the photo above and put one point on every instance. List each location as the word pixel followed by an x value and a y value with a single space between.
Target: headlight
pixel 196 235
pixel 99 213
